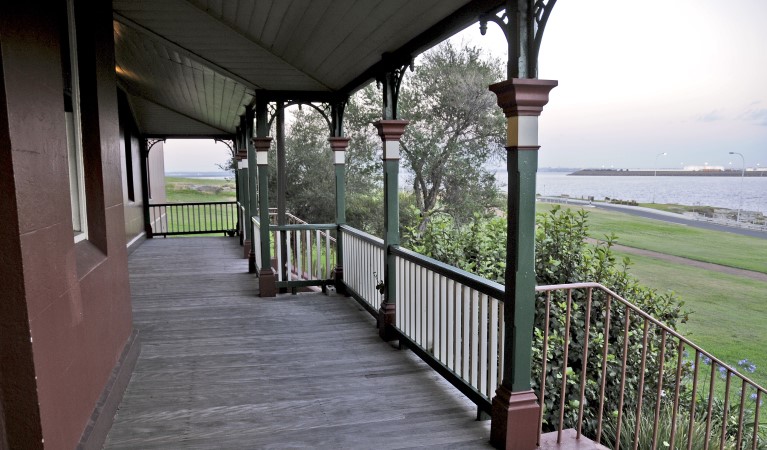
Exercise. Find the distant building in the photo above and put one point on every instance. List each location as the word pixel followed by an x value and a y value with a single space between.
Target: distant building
pixel 704 168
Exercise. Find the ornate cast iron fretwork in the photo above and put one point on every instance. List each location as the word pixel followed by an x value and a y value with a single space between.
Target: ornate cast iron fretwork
pixel 541 12
pixel 151 142
pixel 232 145
pixel 228 142
pixel 271 112
pixel 337 109
pixel 332 110
pixel 323 108
pixel 524 32
pixel 391 82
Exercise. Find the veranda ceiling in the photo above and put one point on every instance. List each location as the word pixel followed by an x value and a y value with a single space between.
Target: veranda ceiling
pixel 191 66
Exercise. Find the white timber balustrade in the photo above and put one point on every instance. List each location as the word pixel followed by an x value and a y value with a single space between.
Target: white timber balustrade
pixel 310 253
pixel 453 316
pixel 363 267
pixel 256 233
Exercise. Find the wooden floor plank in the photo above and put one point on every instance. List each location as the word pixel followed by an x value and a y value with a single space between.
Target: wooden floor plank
pixel 223 368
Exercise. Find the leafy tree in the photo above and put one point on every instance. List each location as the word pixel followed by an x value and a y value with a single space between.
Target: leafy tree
pixel 231 162
pixel 310 191
pixel 455 130
pixel 311 180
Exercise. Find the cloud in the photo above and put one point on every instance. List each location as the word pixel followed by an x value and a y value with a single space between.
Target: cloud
pixel 711 116
pixel 756 115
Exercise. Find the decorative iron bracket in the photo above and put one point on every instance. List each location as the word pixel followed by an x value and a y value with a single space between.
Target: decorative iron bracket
pixel 150 142
pixel 325 109
pixel 337 109
pixel 228 142
pixel 523 32
pixel 391 82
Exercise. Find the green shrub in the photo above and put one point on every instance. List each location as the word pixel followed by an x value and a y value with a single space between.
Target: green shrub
pixel 562 256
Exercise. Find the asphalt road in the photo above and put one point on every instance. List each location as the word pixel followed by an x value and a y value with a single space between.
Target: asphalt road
pixel 666 217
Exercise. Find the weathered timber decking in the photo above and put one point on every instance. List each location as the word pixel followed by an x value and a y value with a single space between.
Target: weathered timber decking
pixel 222 368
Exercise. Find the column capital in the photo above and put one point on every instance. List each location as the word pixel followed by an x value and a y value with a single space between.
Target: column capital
pixel 523 96
pixel 391 130
pixel 241 154
pixel 338 144
pixel 262 144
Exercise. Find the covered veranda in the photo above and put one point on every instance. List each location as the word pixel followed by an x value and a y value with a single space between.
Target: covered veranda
pixel 226 70
pixel 88 89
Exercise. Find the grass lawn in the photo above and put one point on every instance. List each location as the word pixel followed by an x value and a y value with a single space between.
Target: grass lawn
pixel 193 190
pixel 679 209
pixel 728 313
pixel 717 247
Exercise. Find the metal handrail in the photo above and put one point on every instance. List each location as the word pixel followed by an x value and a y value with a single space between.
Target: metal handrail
pixel 173 219
pixel 673 345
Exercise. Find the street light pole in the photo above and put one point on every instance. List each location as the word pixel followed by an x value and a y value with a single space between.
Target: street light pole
pixel 742 173
pixel 655 175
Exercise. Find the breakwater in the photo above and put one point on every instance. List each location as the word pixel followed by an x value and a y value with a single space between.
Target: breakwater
pixel 668 173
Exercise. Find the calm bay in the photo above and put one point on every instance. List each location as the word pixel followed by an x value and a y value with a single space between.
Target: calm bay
pixel 722 192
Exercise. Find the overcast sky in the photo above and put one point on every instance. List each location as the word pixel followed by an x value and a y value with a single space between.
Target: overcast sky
pixel 636 79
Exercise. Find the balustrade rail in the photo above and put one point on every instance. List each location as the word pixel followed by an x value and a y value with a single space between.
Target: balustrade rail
pixel 363 257
pixel 455 319
pixel 241 221
pixel 256 236
pixel 621 377
pixel 170 219
pixel 310 255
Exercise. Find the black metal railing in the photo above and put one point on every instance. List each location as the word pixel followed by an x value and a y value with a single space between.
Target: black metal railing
pixel 173 219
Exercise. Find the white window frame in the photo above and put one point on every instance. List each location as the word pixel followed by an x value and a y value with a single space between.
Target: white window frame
pixel 74 139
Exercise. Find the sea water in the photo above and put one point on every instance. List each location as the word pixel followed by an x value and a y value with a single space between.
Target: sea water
pixel 724 192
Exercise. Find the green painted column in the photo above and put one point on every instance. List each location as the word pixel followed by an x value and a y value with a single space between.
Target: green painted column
pixel 242 171
pixel 237 199
pixel 339 145
pixel 390 132
pixel 266 275
pixel 267 281
pixel 144 165
pixel 250 169
pixel 515 406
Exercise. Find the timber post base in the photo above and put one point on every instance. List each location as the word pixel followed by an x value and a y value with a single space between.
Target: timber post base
pixel 267 283
pixel 385 322
pixel 148 231
pixel 515 420
pixel 246 248
pixel 252 262
pixel 338 280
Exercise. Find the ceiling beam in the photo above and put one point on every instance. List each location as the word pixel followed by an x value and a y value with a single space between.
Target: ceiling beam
pixel 188 136
pixel 299 96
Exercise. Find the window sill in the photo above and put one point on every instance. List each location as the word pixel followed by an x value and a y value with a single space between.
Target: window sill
pixel 89 257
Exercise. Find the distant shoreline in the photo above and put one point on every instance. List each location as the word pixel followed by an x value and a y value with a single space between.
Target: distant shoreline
pixel 202 175
pixel 667 173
